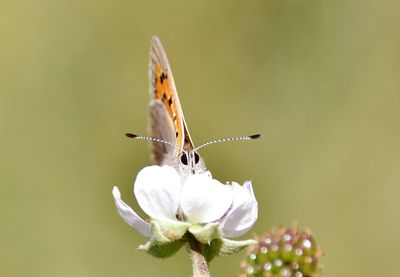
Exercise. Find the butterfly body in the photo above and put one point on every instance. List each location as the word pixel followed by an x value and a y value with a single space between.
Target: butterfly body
pixel 167 122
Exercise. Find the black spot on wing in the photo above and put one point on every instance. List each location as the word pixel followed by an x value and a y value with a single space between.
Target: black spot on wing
pixel 163 77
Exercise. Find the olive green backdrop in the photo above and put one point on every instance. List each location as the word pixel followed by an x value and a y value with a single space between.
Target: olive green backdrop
pixel 319 79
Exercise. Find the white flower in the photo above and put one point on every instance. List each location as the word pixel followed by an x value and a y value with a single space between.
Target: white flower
pixel 196 200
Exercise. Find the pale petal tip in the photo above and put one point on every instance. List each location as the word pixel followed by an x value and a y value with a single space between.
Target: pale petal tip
pixel 248 185
pixel 116 192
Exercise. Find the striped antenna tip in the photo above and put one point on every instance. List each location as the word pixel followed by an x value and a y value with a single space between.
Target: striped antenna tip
pixel 129 135
pixel 256 136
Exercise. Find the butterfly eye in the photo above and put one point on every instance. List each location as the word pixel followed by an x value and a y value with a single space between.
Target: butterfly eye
pixel 184 159
pixel 196 158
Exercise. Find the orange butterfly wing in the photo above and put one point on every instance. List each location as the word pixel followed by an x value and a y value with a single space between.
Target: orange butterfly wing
pixel 163 90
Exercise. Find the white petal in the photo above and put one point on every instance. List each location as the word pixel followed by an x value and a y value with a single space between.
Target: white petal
pixel 204 199
pixel 129 215
pixel 157 190
pixel 243 213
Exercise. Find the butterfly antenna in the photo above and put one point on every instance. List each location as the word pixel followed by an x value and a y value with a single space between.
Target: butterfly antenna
pixel 133 136
pixel 228 139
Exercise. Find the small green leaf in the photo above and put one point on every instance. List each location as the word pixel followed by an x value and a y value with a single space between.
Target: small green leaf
pixel 230 247
pixel 161 250
pixel 166 239
pixel 224 247
pixel 170 229
pixel 205 234
pixel 212 250
pixel 158 236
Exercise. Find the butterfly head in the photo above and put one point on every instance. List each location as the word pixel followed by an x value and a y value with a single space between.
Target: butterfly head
pixel 190 162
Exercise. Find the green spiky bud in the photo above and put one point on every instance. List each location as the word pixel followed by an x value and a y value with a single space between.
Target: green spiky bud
pixel 283 252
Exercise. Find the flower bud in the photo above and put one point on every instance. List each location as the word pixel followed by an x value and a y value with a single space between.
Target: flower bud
pixel 283 252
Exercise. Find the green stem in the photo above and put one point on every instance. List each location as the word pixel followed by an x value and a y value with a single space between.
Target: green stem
pixel 199 263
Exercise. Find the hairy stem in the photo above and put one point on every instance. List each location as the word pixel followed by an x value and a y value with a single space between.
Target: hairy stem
pixel 199 263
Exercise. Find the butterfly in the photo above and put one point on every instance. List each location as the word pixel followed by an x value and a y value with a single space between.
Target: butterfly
pixel 171 143
pixel 166 117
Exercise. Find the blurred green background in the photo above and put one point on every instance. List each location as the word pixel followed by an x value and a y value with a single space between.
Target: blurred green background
pixel 319 79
